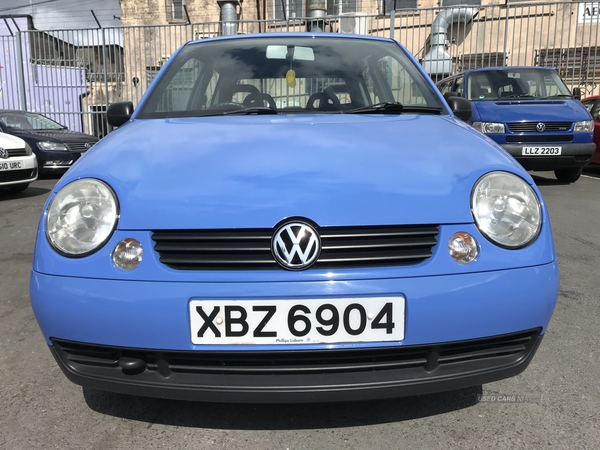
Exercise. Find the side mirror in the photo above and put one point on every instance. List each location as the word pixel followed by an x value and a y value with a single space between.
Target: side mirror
pixel 577 93
pixel 449 94
pixel 461 107
pixel 119 113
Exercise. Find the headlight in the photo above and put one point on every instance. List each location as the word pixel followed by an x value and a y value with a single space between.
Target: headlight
pixel 506 210
pixel 586 125
pixel 52 146
pixel 489 127
pixel 81 217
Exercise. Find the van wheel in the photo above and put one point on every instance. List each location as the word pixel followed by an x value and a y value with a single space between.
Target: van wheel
pixel 570 175
pixel 16 189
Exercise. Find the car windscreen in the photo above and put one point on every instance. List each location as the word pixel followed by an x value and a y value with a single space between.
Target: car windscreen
pixel 520 83
pixel 28 121
pixel 289 75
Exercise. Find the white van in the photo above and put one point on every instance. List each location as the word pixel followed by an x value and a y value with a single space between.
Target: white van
pixel 18 165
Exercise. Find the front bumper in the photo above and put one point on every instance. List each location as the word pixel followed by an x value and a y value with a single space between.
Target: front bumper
pixel 297 376
pixel 573 155
pixel 27 173
pixel 134 337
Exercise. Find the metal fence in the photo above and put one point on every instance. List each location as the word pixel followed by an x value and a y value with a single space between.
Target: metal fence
pixel 73 75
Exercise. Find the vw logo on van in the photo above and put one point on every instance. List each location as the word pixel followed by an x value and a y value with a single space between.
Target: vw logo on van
pixel 296 245
pixel 540 127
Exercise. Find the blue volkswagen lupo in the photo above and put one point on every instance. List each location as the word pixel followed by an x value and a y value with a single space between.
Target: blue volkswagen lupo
pixel 293 218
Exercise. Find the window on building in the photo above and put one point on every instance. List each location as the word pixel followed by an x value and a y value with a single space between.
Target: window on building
pixel 399 5
pixel 287 9
pixel 571 63
pixel 338 7
pixel 446 3
pixel 175 10
pixel 479 60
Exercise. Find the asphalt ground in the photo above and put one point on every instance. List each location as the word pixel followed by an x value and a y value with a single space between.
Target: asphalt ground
pixel 555 403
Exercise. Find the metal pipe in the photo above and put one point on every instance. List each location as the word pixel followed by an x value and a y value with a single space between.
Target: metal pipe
pixel 316 9
pixel 438 61
pixel 20 72
pixel 229 17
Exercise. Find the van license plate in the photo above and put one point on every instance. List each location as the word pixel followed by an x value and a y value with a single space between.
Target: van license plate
pixel 541 151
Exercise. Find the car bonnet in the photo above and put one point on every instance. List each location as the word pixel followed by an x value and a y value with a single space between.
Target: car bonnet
pixel 517 110
pixel 254 171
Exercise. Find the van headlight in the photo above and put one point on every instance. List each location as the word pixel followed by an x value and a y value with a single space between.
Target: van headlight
pixel 81 217
pixel 489 127
pixel 506 209
pixel 585 126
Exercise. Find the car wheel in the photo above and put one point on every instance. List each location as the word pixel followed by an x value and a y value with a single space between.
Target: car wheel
pixel 16 189
pixel 570 175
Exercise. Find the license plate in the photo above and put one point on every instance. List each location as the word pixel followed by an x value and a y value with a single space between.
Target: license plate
pixel 541 151
pixel 312 321
pixel 11 165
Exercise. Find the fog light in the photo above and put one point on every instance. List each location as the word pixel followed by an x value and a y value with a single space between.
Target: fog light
pixel 128 254
pixel 67 162
pixel 463 247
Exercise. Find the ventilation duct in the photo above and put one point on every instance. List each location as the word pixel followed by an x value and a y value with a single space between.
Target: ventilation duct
pixel 438 61
pixel 229 17
pixel 317 10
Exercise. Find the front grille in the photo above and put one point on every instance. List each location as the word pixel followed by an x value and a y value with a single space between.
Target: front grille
pixel 240 249
pixel 540 138
pixel 524 127
pixel 17 175
pixel 78 146
pixel 17 151
pixel 295 368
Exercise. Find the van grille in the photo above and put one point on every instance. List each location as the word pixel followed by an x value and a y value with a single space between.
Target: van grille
pixel 525 127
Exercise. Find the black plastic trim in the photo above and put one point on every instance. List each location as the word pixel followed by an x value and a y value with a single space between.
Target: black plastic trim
pixel 297 375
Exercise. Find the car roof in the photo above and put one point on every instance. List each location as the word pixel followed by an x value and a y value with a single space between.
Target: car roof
pixel 298 34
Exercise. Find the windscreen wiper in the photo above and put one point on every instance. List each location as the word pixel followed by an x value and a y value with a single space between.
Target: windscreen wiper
pixel 557 96
pixel 394 108
pixel 387 107
pixel 250 110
